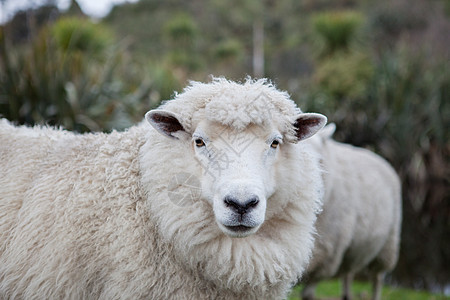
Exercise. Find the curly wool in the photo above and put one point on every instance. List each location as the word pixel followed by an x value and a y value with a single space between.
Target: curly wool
pixel 235 105
pixel 89 217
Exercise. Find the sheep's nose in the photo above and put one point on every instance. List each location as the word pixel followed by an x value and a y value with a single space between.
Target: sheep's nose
pixel 241 207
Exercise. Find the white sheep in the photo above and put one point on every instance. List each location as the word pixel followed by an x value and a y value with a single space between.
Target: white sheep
pixel 360 223
pixel 106 216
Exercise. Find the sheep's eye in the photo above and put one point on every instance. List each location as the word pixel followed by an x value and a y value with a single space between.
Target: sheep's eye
pixel 199 143
pixel 275 144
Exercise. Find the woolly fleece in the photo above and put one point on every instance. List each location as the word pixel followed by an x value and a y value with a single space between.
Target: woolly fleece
pixel 361 219
pixel 89 217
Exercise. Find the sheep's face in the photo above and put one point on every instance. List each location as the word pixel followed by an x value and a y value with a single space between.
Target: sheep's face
pixel 238 173
pixel 238 166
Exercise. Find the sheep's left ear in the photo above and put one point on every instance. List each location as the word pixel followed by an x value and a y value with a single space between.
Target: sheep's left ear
pixel 308 124
pixel 164 122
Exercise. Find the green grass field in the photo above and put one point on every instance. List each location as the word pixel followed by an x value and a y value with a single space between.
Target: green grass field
pixel 331 290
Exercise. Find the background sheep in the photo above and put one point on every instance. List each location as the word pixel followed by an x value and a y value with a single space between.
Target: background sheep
pixel 90 217
pixel 360 222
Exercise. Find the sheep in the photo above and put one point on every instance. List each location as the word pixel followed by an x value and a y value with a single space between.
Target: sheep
pixel 360 223
pixel 106 216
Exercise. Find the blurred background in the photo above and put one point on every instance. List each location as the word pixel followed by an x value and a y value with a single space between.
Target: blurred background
pixel 379 69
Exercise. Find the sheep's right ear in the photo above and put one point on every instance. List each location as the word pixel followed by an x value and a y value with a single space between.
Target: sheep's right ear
pixel 328 131
pixel 164 122
pixel 308 124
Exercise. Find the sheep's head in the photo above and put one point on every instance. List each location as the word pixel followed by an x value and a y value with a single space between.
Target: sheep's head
pixel 238 156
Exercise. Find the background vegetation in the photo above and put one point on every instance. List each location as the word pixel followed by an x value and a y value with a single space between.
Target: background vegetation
pixel 378 69
pixel 332 290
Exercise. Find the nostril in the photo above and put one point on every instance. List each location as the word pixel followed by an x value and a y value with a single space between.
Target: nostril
pixel 232 202
pixel 252 202
pixel 239 207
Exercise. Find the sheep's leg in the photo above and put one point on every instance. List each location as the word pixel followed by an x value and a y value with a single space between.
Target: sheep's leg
pixel 347 282
pixel 377 286
pixel 309 290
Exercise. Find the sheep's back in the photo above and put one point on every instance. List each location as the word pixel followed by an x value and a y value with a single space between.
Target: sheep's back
pixel 22 149
pixel 64 204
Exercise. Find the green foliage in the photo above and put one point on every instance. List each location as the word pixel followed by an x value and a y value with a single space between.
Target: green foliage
pixel 228 50
pixel 391 20
pixel 164 83
pixel 184 59
pixel 75 34
pixel 446 5
pixel 337 28
pixel 362 291
pixel 412 94
pixel 344 75
pixel 182 33
pixel 181 27
pixel 42 84
pixel 404 100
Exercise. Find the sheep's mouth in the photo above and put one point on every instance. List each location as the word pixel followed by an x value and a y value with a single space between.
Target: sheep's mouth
pixel 239 228
pixel 238 231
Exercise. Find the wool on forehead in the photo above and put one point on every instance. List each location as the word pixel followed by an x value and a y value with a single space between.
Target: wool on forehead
pixel 234 104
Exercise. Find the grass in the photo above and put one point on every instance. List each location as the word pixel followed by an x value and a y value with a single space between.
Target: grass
pixel 331 290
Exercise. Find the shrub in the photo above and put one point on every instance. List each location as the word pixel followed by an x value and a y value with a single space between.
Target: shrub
pixel 337 29
pixel 229 49
pixel 390 20
pixel 42 83
pixel 344 75
pixel 75 34
pixel 181 31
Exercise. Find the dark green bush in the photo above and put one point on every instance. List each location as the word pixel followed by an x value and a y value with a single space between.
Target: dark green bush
pixel 75 34
pixel 42 83
pixel 337 28
pixel 181 29
pixel 344 75
pixel 391 20
pixel 228 50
